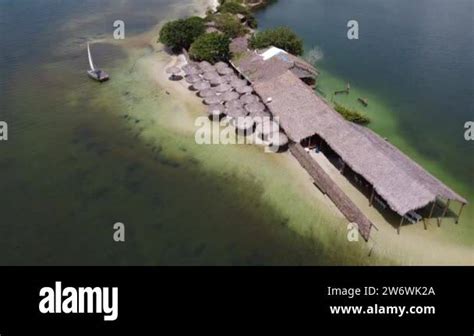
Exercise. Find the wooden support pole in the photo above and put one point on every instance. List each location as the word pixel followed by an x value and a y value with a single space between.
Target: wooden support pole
pixel 343 168
pixel 400 225
pixel 372 196
pixel 444 212
pixel 460 212
pixel 431 211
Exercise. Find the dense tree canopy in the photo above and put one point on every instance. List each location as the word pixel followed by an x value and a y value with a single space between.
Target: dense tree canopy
pixel 182 33
pixel 212 47
pixel 234 7
pixel 229 25
pixel 281 37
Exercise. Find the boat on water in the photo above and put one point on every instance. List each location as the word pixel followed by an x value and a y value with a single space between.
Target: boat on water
pixel 96 74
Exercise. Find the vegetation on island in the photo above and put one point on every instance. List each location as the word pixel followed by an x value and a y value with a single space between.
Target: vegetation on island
pixel 229 25
pixel 180 34
pixel 236 7
pixel 211 47
pixel 280 37
pixel 352 115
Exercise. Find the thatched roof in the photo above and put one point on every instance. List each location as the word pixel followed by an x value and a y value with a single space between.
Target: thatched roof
pixel 255 107
pixel 229 78
pixel 236 112
pixel 403 184
pixel 220 65
pixel 272 62
pixel 249 99
pixel 201 85
pixel 212 100
pixel 244 89
pixel 225 71
pixel 191 69
pixel 234 103
pixel 191 79
pixel 238 45
pixel 207 93
pixel 229 96
pixel 238 83
pixel 209 75
pixel 223 88
pixel 216 110
pixel 278 139
pixel 217 80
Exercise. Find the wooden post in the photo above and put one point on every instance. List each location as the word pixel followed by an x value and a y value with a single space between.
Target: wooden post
pixel 400 225
pixel 372 196
pixel 432 209
pixel 444 212
pixel 342 168
pixel 460 212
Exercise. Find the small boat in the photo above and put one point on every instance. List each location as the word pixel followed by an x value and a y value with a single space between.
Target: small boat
pixel 363 101
pixel 96 74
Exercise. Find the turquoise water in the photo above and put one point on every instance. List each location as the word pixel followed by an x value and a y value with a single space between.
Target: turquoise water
pixel 413 60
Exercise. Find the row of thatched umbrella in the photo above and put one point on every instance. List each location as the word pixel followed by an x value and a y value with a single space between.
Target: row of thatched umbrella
pixel 245 108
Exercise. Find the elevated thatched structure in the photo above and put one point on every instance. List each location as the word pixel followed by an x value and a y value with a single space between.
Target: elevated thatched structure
pixel 272 62
pixel 401 182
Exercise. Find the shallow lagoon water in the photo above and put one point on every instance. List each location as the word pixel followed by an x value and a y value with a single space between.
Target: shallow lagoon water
pixel 81 157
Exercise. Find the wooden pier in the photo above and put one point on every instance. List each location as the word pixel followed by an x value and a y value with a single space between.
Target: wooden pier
pixel 324 182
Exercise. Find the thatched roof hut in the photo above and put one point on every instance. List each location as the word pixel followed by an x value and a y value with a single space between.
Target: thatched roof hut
pixel 247 89
pixel 249 99
pixel 201 85
pixel 225 71
pixel 401 182
pixel 223 88
pixel 230 78
pixel 234 103
pixel 236 112
pixel 206 93
pixel 255 107
pixel 191 69
pixel 191 79
pixel 278 139
pixel 209 75
pixel 216 111
pixel 229 96
pixel 206 66
pixel 221 65
pixel 238 83
pixel 212 100
pixel 218 80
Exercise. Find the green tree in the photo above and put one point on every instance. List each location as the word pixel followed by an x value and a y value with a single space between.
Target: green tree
pixel 281 37
pixel 182 33
pixel 229 25
pixel 212 47
pixel 235 7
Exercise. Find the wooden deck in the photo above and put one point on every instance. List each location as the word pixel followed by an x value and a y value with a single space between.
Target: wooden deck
pixel 330 188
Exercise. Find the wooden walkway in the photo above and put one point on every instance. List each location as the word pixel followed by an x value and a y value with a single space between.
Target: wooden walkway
pixel 332 190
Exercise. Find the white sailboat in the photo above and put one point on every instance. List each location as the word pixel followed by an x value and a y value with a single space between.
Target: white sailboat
pixel 96 74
